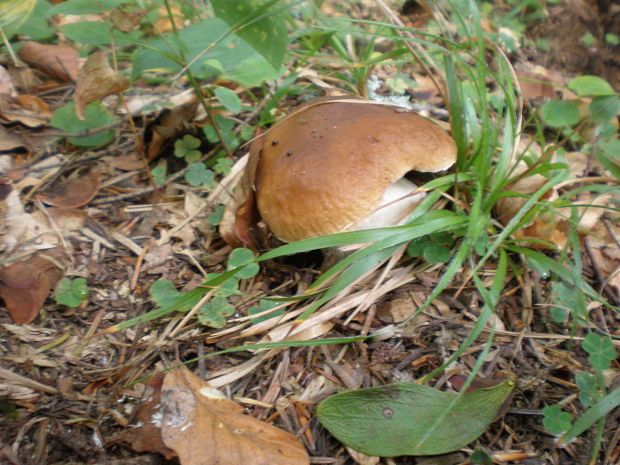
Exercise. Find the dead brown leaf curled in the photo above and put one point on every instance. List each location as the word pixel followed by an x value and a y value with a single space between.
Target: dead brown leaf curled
pixel 97 80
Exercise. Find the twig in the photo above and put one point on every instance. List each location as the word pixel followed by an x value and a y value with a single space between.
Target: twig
pixel 19 379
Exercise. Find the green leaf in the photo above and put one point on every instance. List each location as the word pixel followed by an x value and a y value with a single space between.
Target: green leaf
pixel 215 218
pixel 95 117
pixel 480 457
pixel 592 415
pixel 71 292
pixel 228 287
pixel 603 109
pixel 601 350
pixel 560 113
pixel 590 86
pixel 243 258
pixel 79 287
pixel 565 297
pixel 215 311
pixel 555 420
pixel 228 98
pixel 436 253
pixel 163 292
pixel 410 419
pixel 264 305
pixel 416 247
pixel 228 52
pixel 267 32
pixel 159 174
pixel 95 33
pixel 223 166
pixel 611 147
pixel 84 7
pixel 186 148
pixel 198 175
pixel 588 389
pixel 36 26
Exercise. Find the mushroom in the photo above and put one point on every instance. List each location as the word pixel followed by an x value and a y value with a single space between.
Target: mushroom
pixel 334 165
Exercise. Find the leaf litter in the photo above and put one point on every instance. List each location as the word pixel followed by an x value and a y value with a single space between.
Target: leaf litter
pixel 129 234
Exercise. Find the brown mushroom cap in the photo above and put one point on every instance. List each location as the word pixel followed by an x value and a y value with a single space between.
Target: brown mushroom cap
pixel 324 168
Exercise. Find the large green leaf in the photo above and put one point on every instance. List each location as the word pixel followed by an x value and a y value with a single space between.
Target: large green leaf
pixel 226 56
pixel 261 27
pixel 410 418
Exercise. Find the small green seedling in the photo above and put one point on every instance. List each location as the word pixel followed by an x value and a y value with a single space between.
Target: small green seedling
pixel 198 175
pixel 71 292
pixel 434 248
pixel 601 351
pixel 186 148
pixel 555 420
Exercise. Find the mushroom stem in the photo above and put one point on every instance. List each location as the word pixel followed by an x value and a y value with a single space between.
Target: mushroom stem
pixel 398 201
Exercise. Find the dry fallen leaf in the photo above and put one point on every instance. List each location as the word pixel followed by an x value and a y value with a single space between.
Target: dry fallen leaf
pixel 205 428
pixel 60 62
pixel 10 140
pixel 147 435
pixel 74 193
pixel 11 110
pixel 97 80
pixel 25 284
pixel 126 21
pixel 6 83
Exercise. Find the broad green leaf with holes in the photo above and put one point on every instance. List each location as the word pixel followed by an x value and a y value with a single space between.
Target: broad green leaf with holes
pixel 262 25
pixel 410 418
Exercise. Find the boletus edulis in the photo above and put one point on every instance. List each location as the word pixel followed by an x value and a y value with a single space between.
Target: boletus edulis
pixel 332 165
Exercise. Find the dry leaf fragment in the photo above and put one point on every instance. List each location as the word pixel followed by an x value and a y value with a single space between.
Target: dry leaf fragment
pixel 25 284
pixel 205 428
pixel 60 62
pixel 97 80
pixel 6 83
pixel 11 110
pixel 147 435
pixel 73 193
pixel 10 140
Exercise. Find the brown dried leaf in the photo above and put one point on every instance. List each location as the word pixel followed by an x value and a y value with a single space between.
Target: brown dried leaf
pixel 34 104
pixel 170 124
pixel 9 140
pixel 147 436
pixel 74 193
pixel 205 428
pixel 6 83
pixel 60 62
pixel 24 285
pixel 127 21
pixel 12 111
pixel 534 85
pixel 128 162
pixel 97 80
